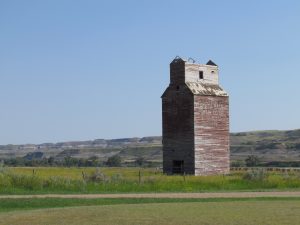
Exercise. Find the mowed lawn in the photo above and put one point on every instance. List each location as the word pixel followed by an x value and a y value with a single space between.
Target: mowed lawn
pixel 209 213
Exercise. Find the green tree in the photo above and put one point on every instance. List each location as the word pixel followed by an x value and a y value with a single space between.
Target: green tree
pixel 140 161
pixel 114 161
pixel 94 160
pixel 69 161
pixel 51 161
pixel 252 160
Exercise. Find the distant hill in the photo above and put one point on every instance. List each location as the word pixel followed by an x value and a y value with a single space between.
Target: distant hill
pixel 269 146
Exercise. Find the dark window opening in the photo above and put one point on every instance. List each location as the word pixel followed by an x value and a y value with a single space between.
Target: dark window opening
pixel 212 71
pixel 177 88
pixel 178 167
pixel 200 74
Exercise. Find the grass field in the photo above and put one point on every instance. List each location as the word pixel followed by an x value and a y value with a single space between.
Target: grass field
pixel 134 180
pixel 127 211
pixel 220 211
pixel 11 204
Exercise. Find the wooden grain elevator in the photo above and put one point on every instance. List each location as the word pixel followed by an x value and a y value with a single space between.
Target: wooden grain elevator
pixel 195 120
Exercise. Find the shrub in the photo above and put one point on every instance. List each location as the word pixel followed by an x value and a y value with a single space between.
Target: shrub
pixel 4 182
pixel 150 180
pixel 238 163
pixel 255 175
pixel 114 161
pixel 2 168
pixel 96 176
pixel 29 182
pixel 116 178
pixel 62 183
pixel 140 161
pixel 251 160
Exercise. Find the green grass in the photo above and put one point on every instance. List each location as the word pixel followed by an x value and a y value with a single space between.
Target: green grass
pixel 126 180
pixel 10 204
pixel 267 212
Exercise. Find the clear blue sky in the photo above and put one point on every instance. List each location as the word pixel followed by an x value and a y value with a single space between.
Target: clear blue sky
pixel 80 70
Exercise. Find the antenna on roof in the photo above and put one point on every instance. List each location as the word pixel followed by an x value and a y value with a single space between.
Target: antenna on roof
pixel 190 59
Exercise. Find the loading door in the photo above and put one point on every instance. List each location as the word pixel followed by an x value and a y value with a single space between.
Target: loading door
pixel 178 167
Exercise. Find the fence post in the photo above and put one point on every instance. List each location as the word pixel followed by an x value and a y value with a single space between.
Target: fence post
pixel 140 176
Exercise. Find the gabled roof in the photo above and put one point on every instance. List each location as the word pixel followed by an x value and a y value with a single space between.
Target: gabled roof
pixel 177 59
pixel 211 63
pixel 191 60
pixel 198 88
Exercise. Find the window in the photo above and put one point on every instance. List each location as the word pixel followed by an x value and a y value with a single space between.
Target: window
pixel 177 88
pixel 201 75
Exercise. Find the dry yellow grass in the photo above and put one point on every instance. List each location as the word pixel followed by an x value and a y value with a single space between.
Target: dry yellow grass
pixel 76 173
pixel 128 180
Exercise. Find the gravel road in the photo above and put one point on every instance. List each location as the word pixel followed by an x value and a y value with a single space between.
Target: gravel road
pixel 165 195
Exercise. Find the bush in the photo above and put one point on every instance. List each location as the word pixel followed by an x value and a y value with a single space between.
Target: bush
pixel 62 183
pixel 140 161
pixel 97 176
pixel 4 182
pixel 30 182
pixel 117 178
pixel 238 163
pixel 114 161
pixel 2 168
pixel 251 160
pixel 255 175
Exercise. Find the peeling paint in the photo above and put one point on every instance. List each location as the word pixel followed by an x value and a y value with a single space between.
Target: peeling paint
pixel 195 120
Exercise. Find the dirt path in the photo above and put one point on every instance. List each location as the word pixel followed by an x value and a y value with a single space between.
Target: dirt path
pixel 164 195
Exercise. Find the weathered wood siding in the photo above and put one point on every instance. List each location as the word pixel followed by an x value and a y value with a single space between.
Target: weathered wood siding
pixel 178 128
pixel 211 121
pixel 177 73
pixel 210 73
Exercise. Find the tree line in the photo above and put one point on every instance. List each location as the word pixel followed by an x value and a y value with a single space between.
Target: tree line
pixel 68 161
pixel 116 161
